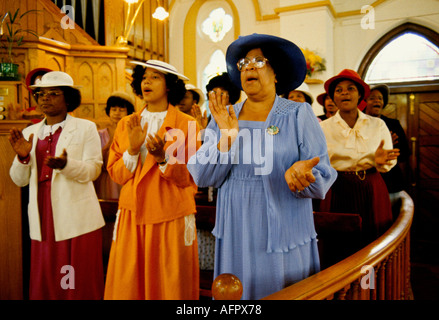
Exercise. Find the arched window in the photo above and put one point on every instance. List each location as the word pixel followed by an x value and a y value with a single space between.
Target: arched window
pixel 409 57
pixel 409 53
pixel 216 66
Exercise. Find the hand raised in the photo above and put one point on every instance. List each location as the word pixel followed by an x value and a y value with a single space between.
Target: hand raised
pixel 385 156
pixel 136 134
pixel 226 120
pixel 201 118
pixel 299 175
pixel 21 146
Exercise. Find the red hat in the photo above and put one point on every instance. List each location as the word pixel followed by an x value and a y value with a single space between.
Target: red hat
pixel 32 75
pixel 362 105
pixel 347 74
pixel 321 98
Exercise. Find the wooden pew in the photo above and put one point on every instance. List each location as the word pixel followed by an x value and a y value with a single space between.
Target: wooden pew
pixel 109 210
pixel 338 234
pixel 205 219
pixel 387 276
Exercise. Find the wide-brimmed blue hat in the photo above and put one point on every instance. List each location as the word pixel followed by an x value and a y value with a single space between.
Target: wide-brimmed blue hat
pixel 286 59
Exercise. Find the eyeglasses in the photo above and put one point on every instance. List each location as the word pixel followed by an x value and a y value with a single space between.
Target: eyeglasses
pixel 50 94
pixel 258 62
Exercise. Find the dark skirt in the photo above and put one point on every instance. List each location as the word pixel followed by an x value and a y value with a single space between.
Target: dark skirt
pixel 364 193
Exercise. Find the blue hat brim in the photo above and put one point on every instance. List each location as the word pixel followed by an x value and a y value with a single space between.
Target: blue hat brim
pixel 286 59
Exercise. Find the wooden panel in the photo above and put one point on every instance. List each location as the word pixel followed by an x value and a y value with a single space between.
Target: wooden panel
pixel 84 77
pixel 11 263
pixel 428 138
pixel 397 109
pixel 104 80
pixel 426 124
pixel 85 111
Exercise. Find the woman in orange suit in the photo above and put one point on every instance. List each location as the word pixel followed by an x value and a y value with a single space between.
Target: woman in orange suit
pixel 154 253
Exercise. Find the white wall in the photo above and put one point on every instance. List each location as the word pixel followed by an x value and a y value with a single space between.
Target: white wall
pixel 342 41
pixel 312 29
pixel 351 41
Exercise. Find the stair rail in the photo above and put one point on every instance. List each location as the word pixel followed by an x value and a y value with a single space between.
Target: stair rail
pixel 380 271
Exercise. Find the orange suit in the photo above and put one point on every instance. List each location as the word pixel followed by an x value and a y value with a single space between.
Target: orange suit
pixel 154 254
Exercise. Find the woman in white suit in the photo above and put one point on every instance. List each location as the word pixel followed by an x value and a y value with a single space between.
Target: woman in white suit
pixel 59 158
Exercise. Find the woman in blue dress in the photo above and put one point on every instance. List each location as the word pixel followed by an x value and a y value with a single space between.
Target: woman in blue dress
pixel 267 156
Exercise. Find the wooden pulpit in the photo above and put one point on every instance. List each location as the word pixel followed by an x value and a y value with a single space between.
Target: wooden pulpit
pixel 11 241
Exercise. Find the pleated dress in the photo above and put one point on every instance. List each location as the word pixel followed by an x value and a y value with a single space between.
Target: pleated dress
pixel 242 250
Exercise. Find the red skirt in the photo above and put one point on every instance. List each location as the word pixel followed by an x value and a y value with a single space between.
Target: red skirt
pixel 365 194
pixel 65 270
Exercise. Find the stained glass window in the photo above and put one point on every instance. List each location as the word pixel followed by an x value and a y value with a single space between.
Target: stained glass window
pixel 217 24
pixel 409 57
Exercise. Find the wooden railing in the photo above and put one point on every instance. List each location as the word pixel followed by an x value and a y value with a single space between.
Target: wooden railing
pixel 380 271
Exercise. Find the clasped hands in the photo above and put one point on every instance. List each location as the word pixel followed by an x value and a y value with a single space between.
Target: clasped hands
pixel 137 135
pixel 298 176
pixel 22 148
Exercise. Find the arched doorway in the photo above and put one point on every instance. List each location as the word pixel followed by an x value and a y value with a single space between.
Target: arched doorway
pixel 412 73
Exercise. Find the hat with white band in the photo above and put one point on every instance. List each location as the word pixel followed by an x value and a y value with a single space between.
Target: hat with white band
pixel 161 66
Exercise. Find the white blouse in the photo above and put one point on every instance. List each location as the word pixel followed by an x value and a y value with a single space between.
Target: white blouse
pixel 353 149
pixel 155 121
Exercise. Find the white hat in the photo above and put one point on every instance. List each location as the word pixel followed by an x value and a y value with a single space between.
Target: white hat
pixel 54 79
pixel 305 90
pixel 161 66
pixel 191 87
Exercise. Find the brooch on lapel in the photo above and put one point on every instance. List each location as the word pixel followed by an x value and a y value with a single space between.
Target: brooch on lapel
pixel 273 130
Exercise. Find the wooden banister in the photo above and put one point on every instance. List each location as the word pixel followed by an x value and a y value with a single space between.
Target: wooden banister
pixel 380 271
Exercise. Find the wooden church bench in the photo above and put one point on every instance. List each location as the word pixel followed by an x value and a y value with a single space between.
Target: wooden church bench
pixel 338 234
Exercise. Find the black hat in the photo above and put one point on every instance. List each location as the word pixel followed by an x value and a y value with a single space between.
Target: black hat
pixel 385 91
pixel 223 81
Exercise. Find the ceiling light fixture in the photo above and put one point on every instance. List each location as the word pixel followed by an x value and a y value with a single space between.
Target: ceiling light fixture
pixel 160 13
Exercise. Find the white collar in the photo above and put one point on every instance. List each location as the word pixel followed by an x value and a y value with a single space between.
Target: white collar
pixel 154 119
pixel 46 130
